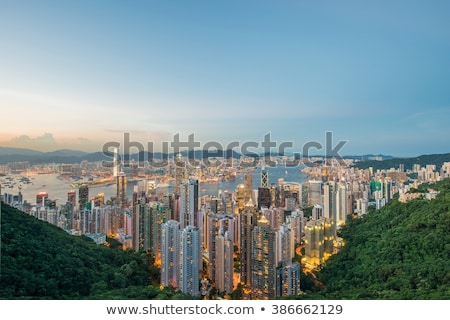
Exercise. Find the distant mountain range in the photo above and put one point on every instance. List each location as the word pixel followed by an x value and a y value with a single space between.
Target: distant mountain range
pixel 8 155
pixel 423 160
pixel 73 156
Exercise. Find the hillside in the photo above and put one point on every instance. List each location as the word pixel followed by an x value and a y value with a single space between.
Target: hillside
pixel 423 160
pixel 41 261
pixel 401 251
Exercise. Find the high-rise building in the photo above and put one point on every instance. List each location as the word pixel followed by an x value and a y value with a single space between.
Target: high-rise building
pixel 264 198
pixel 314 243
pixel 317 212
pixel 264 179
pixel 71 198
pixel 240 197
pixel 288 279
pixel 121 189
pixel 329 200
pixel 263 264
pixel 341 205
pixel 179 172
pixel 248 187
pixel 328 237
pixel 116 163
pixel 158 215
pixel 141 226
pixel 170 253
pixel 314 192
pixel 284 244
pixel 227 202
pixel 189 203
pixel 224 262
pixel 217 224
pixel 83 196
pixel 248 219
pixel 188 280
pixel 296 221
pixel 40 198
pixel 214 228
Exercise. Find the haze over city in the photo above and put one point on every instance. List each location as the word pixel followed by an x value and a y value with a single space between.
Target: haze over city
pixel 78 74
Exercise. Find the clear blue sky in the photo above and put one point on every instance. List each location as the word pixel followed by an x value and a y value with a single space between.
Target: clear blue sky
pixel 76 74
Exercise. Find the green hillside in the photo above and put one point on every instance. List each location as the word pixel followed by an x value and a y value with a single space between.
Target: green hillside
pixel 41 261
pixel 408 163
pixel 401 251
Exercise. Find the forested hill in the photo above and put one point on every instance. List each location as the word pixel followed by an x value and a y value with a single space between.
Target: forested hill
pixel 41 261
pixel 423 160
pixel 401 251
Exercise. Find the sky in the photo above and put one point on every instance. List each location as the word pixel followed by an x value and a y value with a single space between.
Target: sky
pixel 79 74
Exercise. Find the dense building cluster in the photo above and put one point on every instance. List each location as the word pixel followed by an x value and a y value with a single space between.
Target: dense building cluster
pixel 243 238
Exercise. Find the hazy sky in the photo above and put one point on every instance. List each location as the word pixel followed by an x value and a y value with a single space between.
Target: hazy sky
pixel 77 74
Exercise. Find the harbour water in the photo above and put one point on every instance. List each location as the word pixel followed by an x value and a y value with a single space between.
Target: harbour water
pixel 58 187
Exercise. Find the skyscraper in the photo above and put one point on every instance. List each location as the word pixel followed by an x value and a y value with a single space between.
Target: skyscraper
pixel 116 163
pixel 314 243
pixel 179 172
pixel 224 262
pixel 263 264
pixel 284 245
pixel 248 218
pixel 158 215
pixel 170 253
pixel 341 205
pixel 188 281
pixel 314 192
pixel 71 198
pixel 248 187
pixel 240 197
pixel 264 198
pixel 121 189
pixel 189 203
pixel 264 179
pixel 141 226
pixel 288 279
pixel 83 196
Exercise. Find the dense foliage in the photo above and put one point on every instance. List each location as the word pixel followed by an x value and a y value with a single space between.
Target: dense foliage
pixel 401 251
pixel 41 261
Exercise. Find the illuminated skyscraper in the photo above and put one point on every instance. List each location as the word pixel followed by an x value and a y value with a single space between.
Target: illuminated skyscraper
pixel 314 243
pixel 248 187
pixel 116 163
pixel 248 219
pixel 121 189
pixel 263 264
pixel 240 197
pixel 288 279
pixel 341 205
pixel 213 226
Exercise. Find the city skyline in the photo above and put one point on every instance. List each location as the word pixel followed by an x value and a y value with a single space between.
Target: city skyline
pixel 76 75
